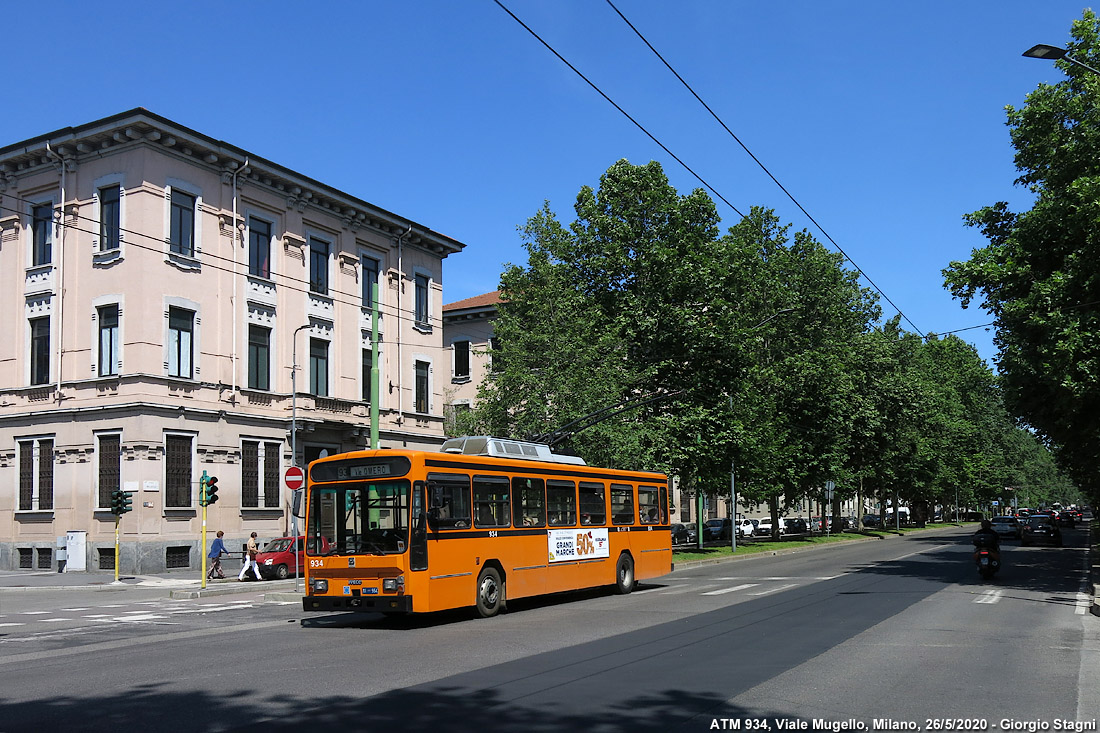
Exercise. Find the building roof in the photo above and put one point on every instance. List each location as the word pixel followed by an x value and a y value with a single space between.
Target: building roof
pixel 478 301
pixel 139 126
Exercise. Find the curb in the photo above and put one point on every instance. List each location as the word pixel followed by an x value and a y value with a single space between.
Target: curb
pixel 774 553
pixel 231 589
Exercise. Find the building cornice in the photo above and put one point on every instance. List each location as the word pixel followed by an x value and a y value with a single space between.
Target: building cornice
pixel 140 127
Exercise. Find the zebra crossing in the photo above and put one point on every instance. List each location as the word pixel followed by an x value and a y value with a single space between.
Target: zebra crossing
pixel 755 587
pixel 160 611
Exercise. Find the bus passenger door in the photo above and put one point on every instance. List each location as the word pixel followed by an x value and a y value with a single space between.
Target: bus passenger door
pixel 418 542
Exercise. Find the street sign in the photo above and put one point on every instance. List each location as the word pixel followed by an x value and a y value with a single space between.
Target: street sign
pixel 294 478
pixel 830 486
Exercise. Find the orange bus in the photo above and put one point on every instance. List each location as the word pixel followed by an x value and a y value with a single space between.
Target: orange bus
pixel 480 522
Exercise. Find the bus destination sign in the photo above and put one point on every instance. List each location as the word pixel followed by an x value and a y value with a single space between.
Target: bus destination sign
pixel 356 469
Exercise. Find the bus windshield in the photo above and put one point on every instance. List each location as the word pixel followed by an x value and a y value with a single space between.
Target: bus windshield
pixel 360 518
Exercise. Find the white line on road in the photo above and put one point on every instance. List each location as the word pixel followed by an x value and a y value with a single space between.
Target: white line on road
pixel 720 591
pixel 12 624
pixel 75 609
pixel 990 596
pixel 773 590
pixel 34 613
pixel 1084 601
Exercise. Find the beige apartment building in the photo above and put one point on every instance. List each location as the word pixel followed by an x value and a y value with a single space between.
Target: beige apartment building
pixel 159 287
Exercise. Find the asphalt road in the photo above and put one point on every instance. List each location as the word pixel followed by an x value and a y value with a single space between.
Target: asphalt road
pixel 900 630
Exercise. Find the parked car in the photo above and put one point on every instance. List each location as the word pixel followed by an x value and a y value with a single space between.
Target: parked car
pixel 746 527
pixel 798 525
pixel 683 533
pixel 717 529
pixel 1040 528
pixel 276 558
pixel 764 528
pixel 872 520
pixel 1006 526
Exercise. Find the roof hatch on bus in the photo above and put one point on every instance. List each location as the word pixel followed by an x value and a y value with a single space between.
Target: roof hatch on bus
pixel 481 445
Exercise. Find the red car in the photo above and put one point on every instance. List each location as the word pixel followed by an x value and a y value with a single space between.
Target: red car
pixel 276 558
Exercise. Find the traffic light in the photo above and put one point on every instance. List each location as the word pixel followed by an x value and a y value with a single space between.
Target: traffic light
pixel 209 491
pixel 121 502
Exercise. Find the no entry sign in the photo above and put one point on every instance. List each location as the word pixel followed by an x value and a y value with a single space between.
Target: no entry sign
pixel 294 478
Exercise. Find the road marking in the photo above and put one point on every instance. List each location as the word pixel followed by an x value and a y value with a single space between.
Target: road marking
pixel 98 615
pixel 75 609
pixel 54 620
pixel 680 589
pixel 720 591
pixel 990 596
pixel 12 624
pixel 146 617
pixel 1084 601
pixel 34 613
pixel 773 590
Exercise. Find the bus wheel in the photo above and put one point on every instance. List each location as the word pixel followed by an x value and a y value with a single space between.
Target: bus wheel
pixel 624 574
pixel 490 593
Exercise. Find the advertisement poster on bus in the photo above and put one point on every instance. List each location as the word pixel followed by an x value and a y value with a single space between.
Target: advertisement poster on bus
pixel 578 544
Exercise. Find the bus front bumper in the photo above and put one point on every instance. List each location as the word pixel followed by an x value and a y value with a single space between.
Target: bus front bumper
pixel 366 604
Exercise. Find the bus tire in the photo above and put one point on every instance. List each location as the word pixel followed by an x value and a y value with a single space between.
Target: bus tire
pixel 624 574
pixel 490 593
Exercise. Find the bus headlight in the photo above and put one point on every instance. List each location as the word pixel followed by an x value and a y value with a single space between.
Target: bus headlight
pixel 393 585
pixel 318 585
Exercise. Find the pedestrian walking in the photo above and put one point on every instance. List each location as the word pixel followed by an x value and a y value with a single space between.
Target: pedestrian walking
pixel 250 559
pixel 217 549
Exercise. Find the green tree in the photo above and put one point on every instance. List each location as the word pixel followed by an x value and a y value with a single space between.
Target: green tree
pixel 1037 276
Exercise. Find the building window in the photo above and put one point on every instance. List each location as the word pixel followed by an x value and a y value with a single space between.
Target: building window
pixel 370 279
pixel 422 369
pixel 260 467
pixel 110 199
pixel 36 474
pixel 181 236
pixel 259 248
pixel 177 471
pixel 108 340
pixel 109 454
pixel 462 359
pixel 259 357
pixel 42 234
pixel 40 350
pixel 421 313
pixel 318 266
pixel 181 342
pixel 318 367
pixel 368 361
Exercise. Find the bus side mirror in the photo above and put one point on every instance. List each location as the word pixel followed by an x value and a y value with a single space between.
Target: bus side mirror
pixel 296 504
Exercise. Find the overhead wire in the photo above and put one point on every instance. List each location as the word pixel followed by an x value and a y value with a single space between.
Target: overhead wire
pixel 690 170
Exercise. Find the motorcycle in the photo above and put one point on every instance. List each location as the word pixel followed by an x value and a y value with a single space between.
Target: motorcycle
pixel 986 556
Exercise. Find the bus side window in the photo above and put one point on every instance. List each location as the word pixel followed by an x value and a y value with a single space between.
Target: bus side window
pixel 622 504
pixel 664 505
pixel 449 494
pixel 490 501
pixel 528 502
pixel 593 507
pixel 561 503
pixel 649 504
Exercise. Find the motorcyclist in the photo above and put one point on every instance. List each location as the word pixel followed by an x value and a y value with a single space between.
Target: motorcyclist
pixel 986 536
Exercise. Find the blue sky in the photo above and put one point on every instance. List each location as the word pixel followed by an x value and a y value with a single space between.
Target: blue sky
pixel 884 119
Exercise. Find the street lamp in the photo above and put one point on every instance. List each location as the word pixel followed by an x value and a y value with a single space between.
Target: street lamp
pixel 1054 53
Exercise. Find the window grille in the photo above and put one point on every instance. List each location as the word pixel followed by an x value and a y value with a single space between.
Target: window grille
pixel 177 557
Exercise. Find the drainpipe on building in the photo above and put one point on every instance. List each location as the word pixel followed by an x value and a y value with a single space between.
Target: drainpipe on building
pixel 233 358
pixel 59 229
pixel 400 291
